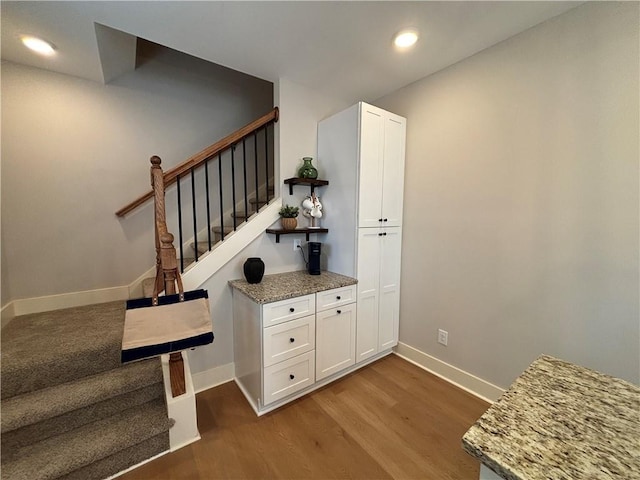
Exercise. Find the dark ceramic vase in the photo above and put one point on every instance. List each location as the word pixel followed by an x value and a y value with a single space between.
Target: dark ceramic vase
pixel 253 269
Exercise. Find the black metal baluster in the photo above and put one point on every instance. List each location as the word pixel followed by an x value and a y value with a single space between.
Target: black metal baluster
pixel 266 160
pixel 193 206
pixel 206 186
pixel 244 171
pixel 233 187
pixel 180 224
pixel 220 190
pixel 255 157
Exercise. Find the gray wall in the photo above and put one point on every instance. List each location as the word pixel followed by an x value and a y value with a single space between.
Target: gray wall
pixel 521 202
pixel 75 151
pixel 300 111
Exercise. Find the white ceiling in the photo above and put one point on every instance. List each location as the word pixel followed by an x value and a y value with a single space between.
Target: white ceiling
pixel 340 48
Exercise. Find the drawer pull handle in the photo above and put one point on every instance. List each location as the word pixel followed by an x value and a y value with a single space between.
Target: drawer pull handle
pixel 292 376
pixel 292 339
pixel 339 311
pixel 292 309
pixel 338 297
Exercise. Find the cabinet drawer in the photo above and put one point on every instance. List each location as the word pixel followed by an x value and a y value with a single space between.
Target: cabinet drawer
pixel 290 376
pixel 284 310
pixel 336 297
pixel 289 339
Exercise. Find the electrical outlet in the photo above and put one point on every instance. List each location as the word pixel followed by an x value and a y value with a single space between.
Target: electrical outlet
pixel 297 243
pixel 443 337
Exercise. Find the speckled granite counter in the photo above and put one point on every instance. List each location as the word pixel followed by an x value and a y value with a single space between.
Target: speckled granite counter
pixel 281 286
pixel 563 422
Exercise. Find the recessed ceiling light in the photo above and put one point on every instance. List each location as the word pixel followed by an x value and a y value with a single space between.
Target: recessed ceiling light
pixel 38 45
pixel 406 38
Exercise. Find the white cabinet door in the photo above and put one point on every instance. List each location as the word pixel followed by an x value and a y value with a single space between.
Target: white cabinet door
pixel 335 340
pixel 389 307
pixel 372 125
pixel 381 168
pixel 368 292
pixel 393 170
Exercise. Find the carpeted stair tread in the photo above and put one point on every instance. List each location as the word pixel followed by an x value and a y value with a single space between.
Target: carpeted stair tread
pixel 50 427
pixel 39 405
pixel 63 454
pixel 121 460
pixel 44 349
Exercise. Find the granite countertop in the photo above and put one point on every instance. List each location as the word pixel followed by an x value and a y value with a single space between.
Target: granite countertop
pixel 281 286
pixel 561 421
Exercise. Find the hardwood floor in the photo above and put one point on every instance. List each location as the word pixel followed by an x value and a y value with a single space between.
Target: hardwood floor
pixel 390 419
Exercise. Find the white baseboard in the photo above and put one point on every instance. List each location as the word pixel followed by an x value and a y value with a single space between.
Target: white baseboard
pixel 8 312
pixel 67 300
pixel 74 299
pixel 461 379
pixel 133 467
pixel 213 377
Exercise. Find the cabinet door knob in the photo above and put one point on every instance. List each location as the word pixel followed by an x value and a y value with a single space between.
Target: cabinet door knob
pixel 379 234
pixel 339 311
pixel 338 297
pixel 379 219
pixel 385 220
pixel 292 339
pixel 292 376
pixel 292 309
pixel 385 234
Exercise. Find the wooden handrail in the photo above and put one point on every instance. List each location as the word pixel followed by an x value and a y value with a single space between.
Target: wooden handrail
pixel 170 176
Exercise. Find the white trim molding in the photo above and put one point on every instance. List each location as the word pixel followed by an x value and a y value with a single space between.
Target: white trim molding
pixel 8 312
pixel 182 409
pixel 66 300
pixel 198 273
pixel 461 379
pixel 213 377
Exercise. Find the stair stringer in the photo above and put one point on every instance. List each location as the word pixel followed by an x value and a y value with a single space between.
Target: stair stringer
pixel 210 263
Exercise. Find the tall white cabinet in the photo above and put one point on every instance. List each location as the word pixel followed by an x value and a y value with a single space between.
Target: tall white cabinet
pixel 362 149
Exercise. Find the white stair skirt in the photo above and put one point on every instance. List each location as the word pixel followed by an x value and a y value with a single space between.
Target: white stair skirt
pixel 182 409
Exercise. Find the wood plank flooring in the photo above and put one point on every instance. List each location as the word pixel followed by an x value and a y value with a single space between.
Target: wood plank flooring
pixel 390 419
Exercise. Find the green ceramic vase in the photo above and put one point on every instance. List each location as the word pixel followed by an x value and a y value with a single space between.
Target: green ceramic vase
pixel 307 170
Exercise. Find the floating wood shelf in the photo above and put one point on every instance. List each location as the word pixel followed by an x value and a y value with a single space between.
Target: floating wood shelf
pixel 312 182
pixel 307 231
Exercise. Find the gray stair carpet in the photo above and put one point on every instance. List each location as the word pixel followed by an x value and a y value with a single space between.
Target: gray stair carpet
pixel 69 408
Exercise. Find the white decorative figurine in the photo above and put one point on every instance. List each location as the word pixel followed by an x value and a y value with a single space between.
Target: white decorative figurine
pixel 312 208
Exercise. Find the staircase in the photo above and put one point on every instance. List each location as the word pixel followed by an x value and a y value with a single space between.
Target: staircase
pixel 220 233
pixel 69 408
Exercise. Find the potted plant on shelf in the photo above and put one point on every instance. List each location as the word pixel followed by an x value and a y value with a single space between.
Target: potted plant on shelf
pixel 288 216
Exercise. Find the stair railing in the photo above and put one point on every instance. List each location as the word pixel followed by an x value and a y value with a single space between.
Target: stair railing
pixel 252 140
pixel 166 267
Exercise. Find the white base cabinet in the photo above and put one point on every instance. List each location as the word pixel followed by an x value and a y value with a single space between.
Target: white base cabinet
pixel 283 349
